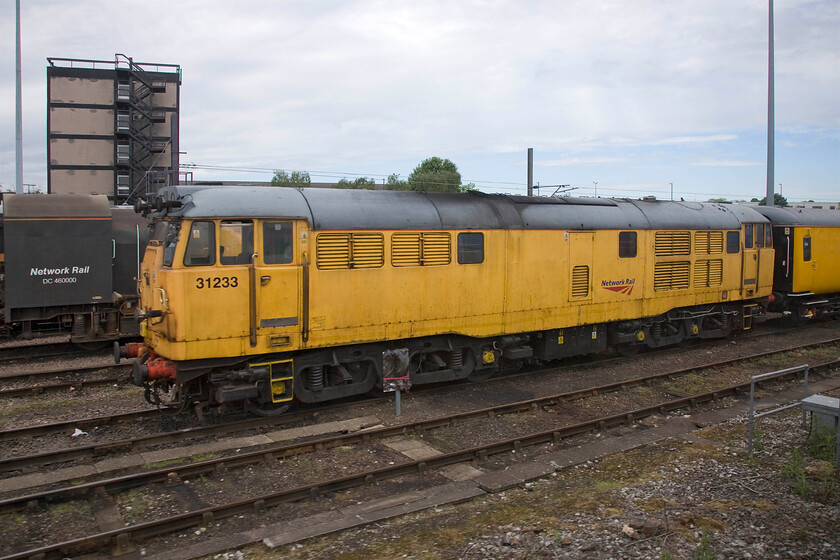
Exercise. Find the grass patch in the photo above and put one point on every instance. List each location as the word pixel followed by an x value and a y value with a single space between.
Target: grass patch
pixel 820 485
pixel 69 512
pixel 198 458
pixel 689 384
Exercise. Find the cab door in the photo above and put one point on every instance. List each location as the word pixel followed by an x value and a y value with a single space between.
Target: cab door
pixel 749 262
pixel 278 277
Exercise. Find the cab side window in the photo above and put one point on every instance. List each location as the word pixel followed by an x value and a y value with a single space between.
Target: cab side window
pixel 759 235
pixel 201 245
pixel 170 240
pixel 277 242
pixel 748 236
pixel 236 242
pixel 806 249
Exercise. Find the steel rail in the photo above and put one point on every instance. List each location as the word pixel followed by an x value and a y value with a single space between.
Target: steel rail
pixel 65 370
pixel 212 513
pixel 281 450
pixel 78 382
pixel 99 449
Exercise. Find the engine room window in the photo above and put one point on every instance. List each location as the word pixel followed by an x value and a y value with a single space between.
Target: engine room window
pixel 733 241
pixel 806 249
pixel 470 248
pixel 627 244
pixel 277 242
pixel 748 236
pixel 236 242
pixel 201 245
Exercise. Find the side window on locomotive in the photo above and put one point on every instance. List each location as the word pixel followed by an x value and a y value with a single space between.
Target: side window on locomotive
pixel 627 244
pixel 768 235
pixel 748 236
pixel 201 245
pixel 470 248
pixel 236 241
pixel 759 235
pixel 277 242
pixel 170 239
pixel 806 249
pixel 733 241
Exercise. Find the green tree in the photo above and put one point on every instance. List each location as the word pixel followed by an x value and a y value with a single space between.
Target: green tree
pixel 295 179
pixel 393 183
pixel 436 175
pixel 778 200
pixel 360 183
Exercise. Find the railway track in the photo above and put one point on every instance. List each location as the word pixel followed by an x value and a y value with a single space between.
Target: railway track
pixel 11 353
pixel 174 475
pixel 36 382
pixel 100 449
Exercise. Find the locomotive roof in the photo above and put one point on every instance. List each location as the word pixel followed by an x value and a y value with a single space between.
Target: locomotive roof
pixel 354 209
pixel 800 216
pixel 67 206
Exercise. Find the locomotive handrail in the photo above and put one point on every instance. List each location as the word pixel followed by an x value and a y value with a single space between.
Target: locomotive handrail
pixel 304 334
pixel 252 300
pixel 164 301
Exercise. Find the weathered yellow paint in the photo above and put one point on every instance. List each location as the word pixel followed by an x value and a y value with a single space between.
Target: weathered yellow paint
pixel 523 285
pixel 821 274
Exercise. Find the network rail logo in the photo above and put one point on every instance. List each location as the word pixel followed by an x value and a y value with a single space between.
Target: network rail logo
pixel 624 286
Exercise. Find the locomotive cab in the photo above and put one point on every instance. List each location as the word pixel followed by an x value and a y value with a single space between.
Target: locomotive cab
pixel 227 285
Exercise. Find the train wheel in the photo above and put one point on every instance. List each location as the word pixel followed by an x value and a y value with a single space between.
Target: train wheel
pixel 481 374
pixel 628 349
pixel 260 409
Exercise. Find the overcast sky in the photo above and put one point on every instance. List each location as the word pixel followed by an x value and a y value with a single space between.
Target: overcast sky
pixel 631 94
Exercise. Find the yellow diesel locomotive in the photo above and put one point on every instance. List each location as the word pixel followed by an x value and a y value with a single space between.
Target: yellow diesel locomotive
pixel 259 296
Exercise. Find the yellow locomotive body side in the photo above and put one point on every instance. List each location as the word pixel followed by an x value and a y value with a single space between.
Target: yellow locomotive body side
pixel 529 280
pixel 261 296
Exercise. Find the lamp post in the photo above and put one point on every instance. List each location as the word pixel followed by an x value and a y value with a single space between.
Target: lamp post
pixel 596 188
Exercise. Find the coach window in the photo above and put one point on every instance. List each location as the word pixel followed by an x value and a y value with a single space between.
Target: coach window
pixel 201 245
pixel 470 248
pixel 733 242
pixel 806 249
pixel 627 244
pixel 277 242
pixel 236 241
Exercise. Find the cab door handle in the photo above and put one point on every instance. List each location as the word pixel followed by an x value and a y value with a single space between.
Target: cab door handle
pixel 264 280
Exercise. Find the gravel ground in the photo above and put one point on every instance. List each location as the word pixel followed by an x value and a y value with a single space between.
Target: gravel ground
pixel 580 513
pixel 700 497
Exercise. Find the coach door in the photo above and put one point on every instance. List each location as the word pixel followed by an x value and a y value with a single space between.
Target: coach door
pixel 750 259
pixel 277 286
